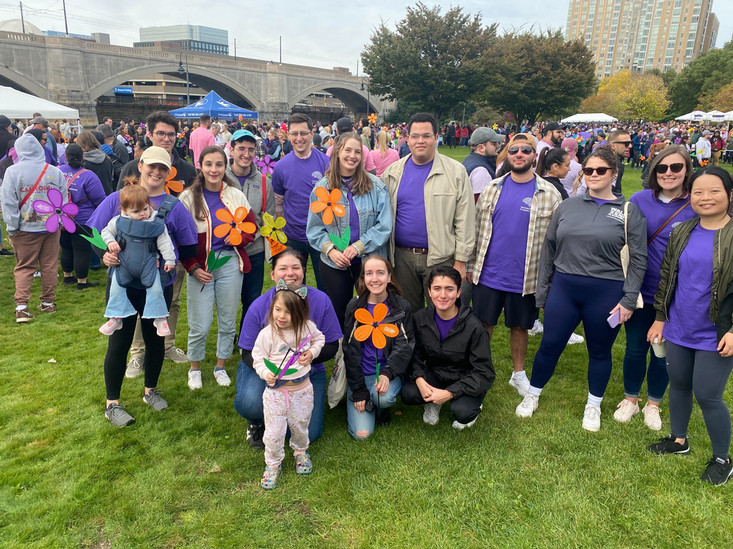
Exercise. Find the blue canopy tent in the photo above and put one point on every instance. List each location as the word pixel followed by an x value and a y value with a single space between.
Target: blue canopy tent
pixel 214 106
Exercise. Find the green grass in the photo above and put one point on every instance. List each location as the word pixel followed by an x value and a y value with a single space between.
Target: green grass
pixel 185 477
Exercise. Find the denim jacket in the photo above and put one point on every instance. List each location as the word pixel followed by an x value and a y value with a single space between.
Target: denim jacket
pixel 375 222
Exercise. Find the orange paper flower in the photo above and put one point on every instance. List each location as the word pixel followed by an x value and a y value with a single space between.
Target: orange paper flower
pixel 370 326
pixel 328 204
pixel 233 225
pixel 172 185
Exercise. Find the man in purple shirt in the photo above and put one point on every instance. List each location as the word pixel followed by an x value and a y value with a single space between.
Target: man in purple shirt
pixel 293 179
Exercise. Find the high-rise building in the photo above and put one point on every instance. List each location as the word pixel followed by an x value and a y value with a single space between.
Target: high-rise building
pixel 189 37
pixel 641 35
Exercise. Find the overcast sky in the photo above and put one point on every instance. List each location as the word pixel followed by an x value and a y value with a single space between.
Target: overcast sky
pixel 334 36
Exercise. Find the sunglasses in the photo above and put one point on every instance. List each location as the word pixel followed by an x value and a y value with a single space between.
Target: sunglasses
pixel 600 171
pixel 662 168
pixel 514 149
pixel 624 143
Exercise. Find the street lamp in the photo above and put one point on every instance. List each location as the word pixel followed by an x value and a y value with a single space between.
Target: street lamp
pixel 181 70
pixel 368 96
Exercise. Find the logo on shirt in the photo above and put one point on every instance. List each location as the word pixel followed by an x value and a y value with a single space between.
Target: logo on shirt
pixel 616 213
pixel 527 201
pixel 317 176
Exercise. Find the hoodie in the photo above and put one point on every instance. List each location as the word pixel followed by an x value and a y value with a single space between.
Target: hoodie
pixel 96 161
pixel 19 180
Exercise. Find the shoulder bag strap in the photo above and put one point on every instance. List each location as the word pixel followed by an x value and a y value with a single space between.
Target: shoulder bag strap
pixel 671 217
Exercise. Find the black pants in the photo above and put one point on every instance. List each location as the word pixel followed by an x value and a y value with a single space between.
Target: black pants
pixel 76 252
pixel 465 408
pixel 340 286
pixel 120 341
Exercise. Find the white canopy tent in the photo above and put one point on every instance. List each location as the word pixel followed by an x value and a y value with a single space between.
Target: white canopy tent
pixel 16 104
pixel 715 116
pixel 586 118
pixel 691 116
pixel 728 116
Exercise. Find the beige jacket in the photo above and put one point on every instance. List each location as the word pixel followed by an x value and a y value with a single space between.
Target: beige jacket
pixel 449 209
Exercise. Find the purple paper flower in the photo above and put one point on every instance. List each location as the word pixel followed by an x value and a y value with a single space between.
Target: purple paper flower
pixel 59 211
pixel 266 165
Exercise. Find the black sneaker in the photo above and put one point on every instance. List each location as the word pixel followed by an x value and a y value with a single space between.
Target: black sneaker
pixel 3 251
pixel 85 285
pixel 667 445
pixel 718 471
pixel 69 280
pixel 384 417
pixel 254 435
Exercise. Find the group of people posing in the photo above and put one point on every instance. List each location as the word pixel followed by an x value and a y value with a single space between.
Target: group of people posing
pixel 418 244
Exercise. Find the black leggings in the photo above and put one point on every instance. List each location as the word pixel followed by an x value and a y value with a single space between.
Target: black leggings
pixel 465 408
pixel 340 285
pixel 75 252
pixel 120 341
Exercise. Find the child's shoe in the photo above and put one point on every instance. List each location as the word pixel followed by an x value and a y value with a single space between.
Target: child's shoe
pixel 161 325
pixel 111 326
pixel 270 476
pixel 303 465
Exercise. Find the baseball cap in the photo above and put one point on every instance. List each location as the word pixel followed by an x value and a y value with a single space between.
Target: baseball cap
pixel 344 125
pixel 40 120
pixel 156 155
pixel 527 139
pixel 243 134
pixel 706 132
pixel 482 135
pixel 551 127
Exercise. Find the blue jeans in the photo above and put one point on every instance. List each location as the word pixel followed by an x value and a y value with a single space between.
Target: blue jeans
pixel 248 401
pixel 119 306
pixel 364 421
pixel 315 255
pixel 224 290
pixel 635 365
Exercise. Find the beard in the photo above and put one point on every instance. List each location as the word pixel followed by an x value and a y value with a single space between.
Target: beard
pixel 516 169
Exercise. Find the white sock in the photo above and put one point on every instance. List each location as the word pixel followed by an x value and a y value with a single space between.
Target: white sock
pixel 534 391
pixel 594 400
pixel 46 304
pixel 520 375
pixel 21 307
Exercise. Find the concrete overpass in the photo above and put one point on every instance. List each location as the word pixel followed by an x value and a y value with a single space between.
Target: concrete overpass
pixel 76 72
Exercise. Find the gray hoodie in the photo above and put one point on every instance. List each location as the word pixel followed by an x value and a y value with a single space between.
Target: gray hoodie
pixel 20 179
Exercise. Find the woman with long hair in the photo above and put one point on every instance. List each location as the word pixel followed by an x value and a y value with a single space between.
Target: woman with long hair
pixel 212 200
pixel 363 227
pixel 96 161
pixel 383 155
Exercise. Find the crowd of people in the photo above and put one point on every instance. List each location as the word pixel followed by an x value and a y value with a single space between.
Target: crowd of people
pixel 415 258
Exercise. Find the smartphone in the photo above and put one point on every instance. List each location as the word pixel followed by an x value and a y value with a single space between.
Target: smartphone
pixel 615 319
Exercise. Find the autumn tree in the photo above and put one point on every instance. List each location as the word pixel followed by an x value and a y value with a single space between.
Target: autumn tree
pixel 531 74
pixel 630 96
pixel 429 60
pixel 697 84
pixel 723 100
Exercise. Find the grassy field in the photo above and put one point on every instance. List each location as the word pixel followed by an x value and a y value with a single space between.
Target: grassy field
pixel 185 477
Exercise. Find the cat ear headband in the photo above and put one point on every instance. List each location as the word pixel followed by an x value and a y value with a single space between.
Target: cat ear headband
pixel 302 291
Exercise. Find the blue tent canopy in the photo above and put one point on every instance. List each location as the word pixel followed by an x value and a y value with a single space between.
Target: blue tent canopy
pixel 214 106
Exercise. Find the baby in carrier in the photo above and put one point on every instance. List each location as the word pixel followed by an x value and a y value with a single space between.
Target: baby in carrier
pixel 136 236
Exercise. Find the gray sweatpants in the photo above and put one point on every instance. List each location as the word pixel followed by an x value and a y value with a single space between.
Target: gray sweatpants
pixel 705 374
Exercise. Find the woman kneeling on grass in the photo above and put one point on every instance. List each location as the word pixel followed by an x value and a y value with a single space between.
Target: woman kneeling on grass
pixel 694 306
pixel 369 398
pixel 452 358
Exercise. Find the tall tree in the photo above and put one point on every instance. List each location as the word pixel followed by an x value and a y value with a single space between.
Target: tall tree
pixel 697 83
pixel 630 96
pixel 429 60
pixel 532 74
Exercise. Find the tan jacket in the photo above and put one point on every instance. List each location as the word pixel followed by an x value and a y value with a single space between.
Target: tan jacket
pixel 449 209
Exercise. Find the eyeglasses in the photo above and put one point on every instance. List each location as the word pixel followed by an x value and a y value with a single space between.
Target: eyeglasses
pixel 624 143
pixel 602 170
pixel 423 136
pixel 299 134
pixel 164 135
pixel 514 149
pixel 677 167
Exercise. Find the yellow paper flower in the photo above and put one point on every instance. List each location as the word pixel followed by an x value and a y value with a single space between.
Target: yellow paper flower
pixel 271 228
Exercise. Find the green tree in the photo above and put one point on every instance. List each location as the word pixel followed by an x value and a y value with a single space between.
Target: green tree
pixel 697 84
pixel 532 74
pixel 430 60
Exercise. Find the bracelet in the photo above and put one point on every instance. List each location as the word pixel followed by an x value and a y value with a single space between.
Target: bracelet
pixel 194 269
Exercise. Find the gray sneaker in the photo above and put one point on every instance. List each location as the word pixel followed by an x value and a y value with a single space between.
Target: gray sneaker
pixel 176 355
pixel 118 416
pixel 134 367
pixel 155 401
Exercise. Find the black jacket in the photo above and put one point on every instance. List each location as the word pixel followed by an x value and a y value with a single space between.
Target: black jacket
pixel 5 138
pixel 398 350
pixel 462 360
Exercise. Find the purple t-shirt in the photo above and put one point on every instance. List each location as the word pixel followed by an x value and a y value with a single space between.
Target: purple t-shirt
pixel 689 314
pixel 179 222
pixel 601 201
pixel 444 326
pixel 86 191
pixel 657 212
pixel 321 314
pixel 411 228
pixel 353 215
pixel 370 355
pixel 503 267
pixel 294 179
pixel 213 201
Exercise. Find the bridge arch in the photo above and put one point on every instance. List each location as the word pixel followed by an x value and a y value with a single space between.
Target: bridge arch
pixel 28 85
pixel 199 75
pixel 351 94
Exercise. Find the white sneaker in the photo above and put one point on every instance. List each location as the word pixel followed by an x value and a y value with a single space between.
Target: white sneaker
pixel 527 407
pixel 652 418
pixel 222 378
pixel 176 355
pixel 134 367
pixel 592 418
pixel 461 426
pixel 626 410
pixel 575 338
pixel 432 413
pixel 521 384
pixel 538 328
pixel 194 379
